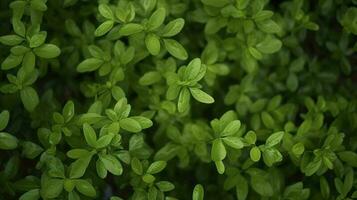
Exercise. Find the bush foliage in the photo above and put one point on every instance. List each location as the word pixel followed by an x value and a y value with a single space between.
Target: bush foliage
pixel 178 99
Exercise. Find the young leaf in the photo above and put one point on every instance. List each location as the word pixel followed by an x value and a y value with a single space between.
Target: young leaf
pixel 201 96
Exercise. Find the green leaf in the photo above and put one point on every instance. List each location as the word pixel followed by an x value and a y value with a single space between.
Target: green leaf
pixel 262 186
pixel 29 98
pixel 269 45
pixel 198 192
pixel 271 156
pixel 148 178
pixel 152 42
pixel 183 103
pixel 104 28
pixel 324 187
pixel 165 186
pixel 274 139
pixel 79 167
pixel 175 49
pixel 106 11
pixel 298 149
pixel 104 141
pixel 156 167
pixel 136 166
pixel 90 135
pixel 242 188
pixel 130 29
pixel 11 61
pixel 268 120
pixel 292 82
pixel 111 164
pixel 269 26
pixel 11 40
pixel 47 51
pixel 85 188
pixel 349 157
pixel 232 128
pixel 255 154
pixel 234 142
pixel 156 19
pixel 201 96
pixel 4 119
pixel 68 111
pixel 7 141
pixel 150 78
pixel 90 64
pixel 31 150
pixel 193 69
pixel 130 125
pixel 31 195
pixel 38 39
pixel 218 151
pixel 173 27
pixel 51 188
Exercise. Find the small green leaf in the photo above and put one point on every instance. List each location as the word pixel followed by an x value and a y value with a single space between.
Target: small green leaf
pixel 4 119
pixel 90 64
pixel 165 186
pixel 201 96
pixel 106 11
pixel 183 103
pixel 232 128
pixel 274 139
pixel 104 28
pixel 156 167
pixel 198 192
pixel 136 166
pixel 152 42
pixel 269 45
pixel 47 51
pixel 85 188
pixel 218 151
pixel 11 40
pixel 173 27
pixel 90 135
pixel 156 19
pixel 29 98
pixel 130 125
pixel 38 39
pixel 111 164
pixel 7 141
pixel 79 167
pixel 130 29
pixel 255 154
pixel 234 142
pixel 175 49
pixel 150 78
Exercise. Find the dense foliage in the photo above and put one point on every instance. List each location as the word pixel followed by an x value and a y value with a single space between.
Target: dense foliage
pixel 178 99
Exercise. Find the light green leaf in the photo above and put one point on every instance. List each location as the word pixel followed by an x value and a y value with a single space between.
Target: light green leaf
pixel 90 64
pixel 152 42
pixel 104 28
pixel 218 151
pixel 156 167
pixel 156 19
pixel 201 96
pixel 47 51
pixel 4 119
pixel 175 49
pixel 198 192
pixel 29 98
pixel 173 27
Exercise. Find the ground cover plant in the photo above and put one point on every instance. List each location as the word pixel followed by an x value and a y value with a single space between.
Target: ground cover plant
pixel 178 99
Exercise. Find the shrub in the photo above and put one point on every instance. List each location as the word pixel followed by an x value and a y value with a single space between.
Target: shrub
pixel 178 99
